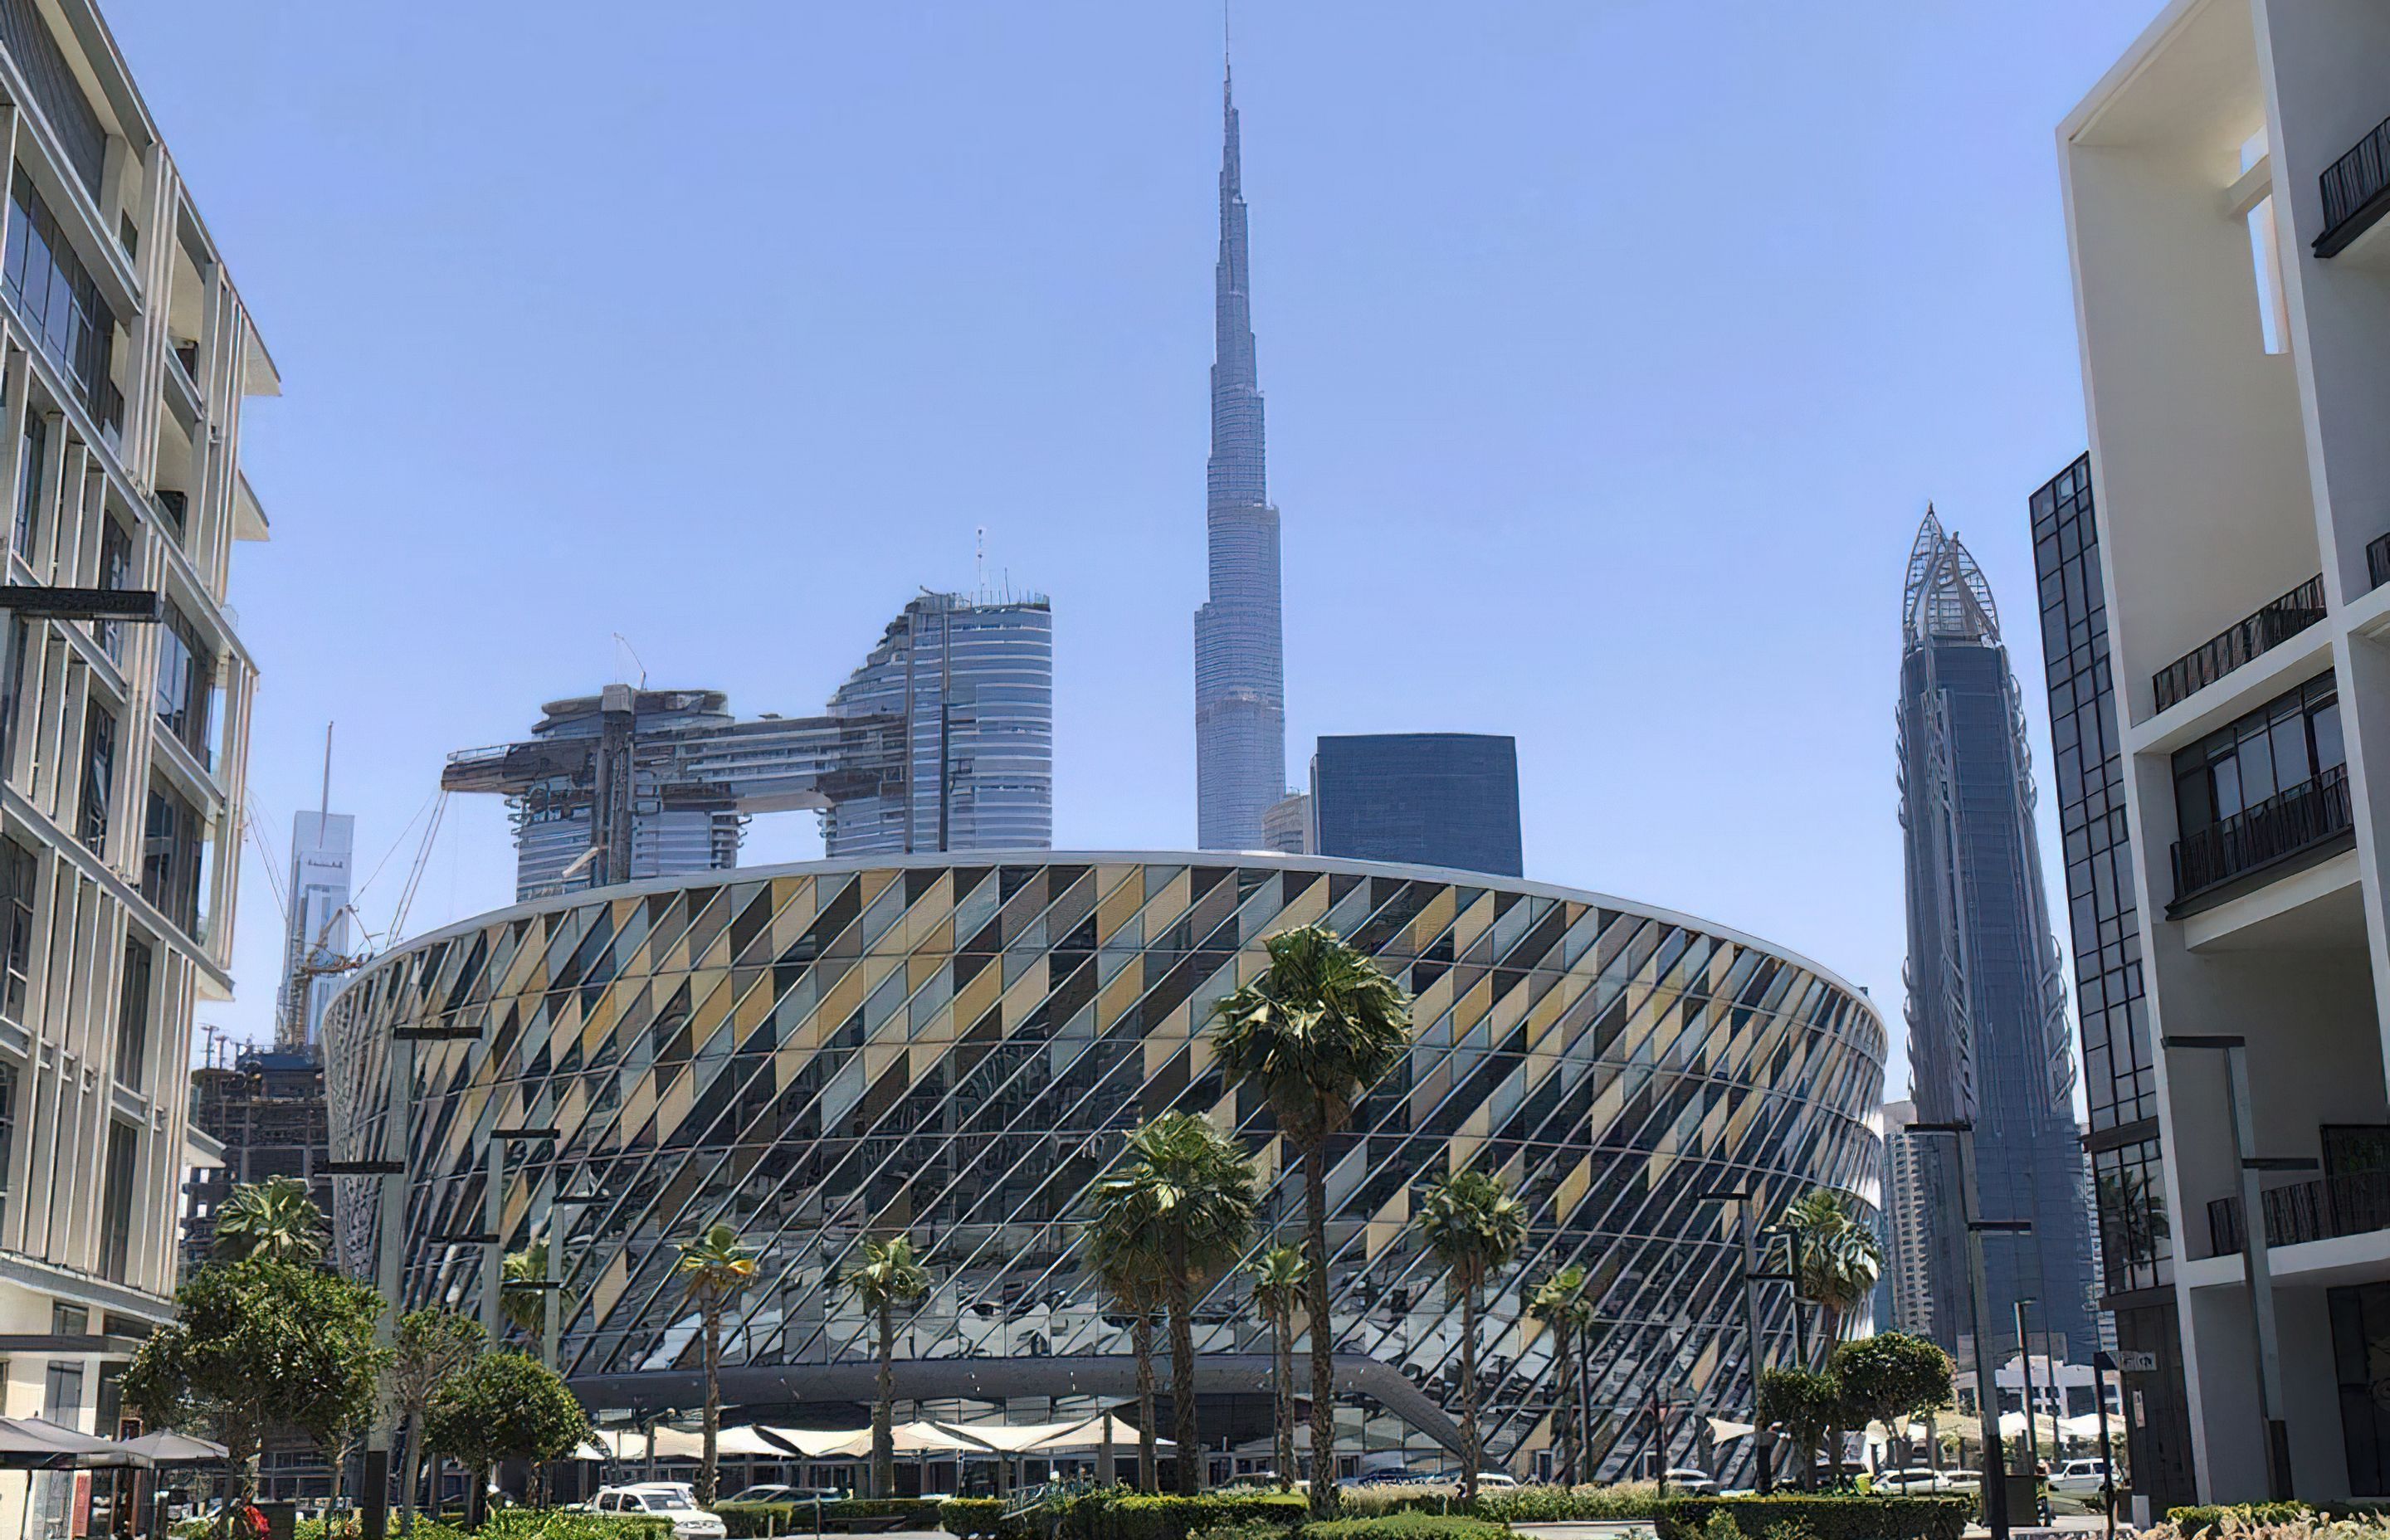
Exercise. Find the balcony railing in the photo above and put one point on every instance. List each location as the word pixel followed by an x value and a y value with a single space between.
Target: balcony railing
pixel 2308 1210
pixel 2262 632
pixel 2355 191
pixel 2377 560
pixel 2284 824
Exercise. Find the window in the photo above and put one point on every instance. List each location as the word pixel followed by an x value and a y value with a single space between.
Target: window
pixel 53 292
pixel 133 1014
pixel 20 642
pixel 116 1205
pixel 15 926
pixel 99 776
pixel 186 669
pixel 7 1132
pixel 115 571
pixel 2281 747
pixel 31 448
pixel 172 854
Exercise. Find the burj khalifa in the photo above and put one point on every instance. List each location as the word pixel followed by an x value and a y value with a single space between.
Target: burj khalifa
pixel 1239 653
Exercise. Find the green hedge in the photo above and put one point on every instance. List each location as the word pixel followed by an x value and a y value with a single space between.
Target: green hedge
pixel 1139 1517
pixel 1507 1504
pixel 505 1523
pixel 1407 1526
pixel 742 1519
pixel 1821 1518
pixel 2192 1520
pixel 970 1517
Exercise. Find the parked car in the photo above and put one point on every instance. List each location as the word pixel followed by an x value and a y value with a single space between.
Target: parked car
pixel 672 1500
pixel 1692 1482
pixel 2080 1477
pixel 1912 1478
pixel 1958 1480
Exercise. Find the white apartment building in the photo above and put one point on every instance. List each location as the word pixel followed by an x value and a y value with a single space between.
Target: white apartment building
pixel 2224 185
pixel 1908 1217
pixel 125 358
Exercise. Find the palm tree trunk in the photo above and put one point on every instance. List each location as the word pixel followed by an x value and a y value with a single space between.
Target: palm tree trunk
pixel 1282 1327
pixel 1565 1413
pixel 1323 1333
pixel 410 1469
pixel 884 1408
pixel 1469 1441
pixel 1189 1464
pixel 710 1466
pixel 1141 1343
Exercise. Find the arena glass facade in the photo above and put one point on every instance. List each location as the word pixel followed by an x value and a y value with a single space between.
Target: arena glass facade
pixel 953 1048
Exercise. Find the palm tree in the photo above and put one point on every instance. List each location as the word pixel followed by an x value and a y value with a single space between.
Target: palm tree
pixel 1562 1304
pixel 1192 1187
pixel 889 1275
pixel 523 1307
pixel 271 1221
pixel 1836 1257
pixel 1279 1274
pixel 715 1267
pixel 1313 1033
pixel 1124 1258
pixel 1475 1229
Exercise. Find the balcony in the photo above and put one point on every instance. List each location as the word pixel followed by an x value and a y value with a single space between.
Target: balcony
pixel 2293 820
pixel 2261 633
pixel 2377 561
pixel 2356 192
pixel 2318 1210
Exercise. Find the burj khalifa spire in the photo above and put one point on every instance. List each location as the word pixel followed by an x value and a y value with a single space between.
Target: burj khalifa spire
pixel 1239 652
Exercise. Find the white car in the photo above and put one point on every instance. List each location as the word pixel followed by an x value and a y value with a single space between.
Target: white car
pixel 2080 1477
pixel 1913 1478
pixel 672 1500
pixel 1692 1482
pixel 1958 1480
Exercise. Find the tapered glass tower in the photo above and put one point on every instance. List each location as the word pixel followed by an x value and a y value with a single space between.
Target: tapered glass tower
pixel 1987 1038
pixel 1239 659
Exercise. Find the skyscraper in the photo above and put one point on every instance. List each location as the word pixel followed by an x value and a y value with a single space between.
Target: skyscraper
pixel 1907 1225
pixel 942 740
pixel 321 845
pixel 2135 1254
pixel 1427 799
pixel 972 678
pixel 1987 1038
pixel 1239 653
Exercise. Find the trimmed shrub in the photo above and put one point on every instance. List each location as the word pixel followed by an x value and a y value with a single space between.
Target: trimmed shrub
pixel 1242 1528
pixel 2191 1520
pixel 970 1517
pixel 744 1520
pixel 1407 1526
pixel 1508 1504
pixel 1819 1518
pixel 1136 1515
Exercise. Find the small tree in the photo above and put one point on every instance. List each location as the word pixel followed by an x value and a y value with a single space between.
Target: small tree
pixel 429 1346
pixel 1563 1302
pixel 1278 1276
pixel 259 1345
pixel 1475 1229
pixel 504 1406
pixel 525 1309
pixel 1892 1378
pixel 270 1221
pixel 890 1274
pixel 715 1268
pixel 1120 1249
pixel 1805 1403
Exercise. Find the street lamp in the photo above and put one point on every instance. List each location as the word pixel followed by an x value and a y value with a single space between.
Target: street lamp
pixel 2241 1108
pixel 2103 1363
pixel 1988 1400
pixel 1753 1350
pixel 390 1170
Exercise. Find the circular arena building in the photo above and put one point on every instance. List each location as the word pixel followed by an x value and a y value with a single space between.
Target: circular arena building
pixel 952 1049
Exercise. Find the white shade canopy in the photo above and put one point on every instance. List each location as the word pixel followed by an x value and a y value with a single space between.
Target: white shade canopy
pixel 1725 1432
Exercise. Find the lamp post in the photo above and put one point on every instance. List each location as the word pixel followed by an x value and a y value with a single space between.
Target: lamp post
pixel 2239 1108
pixel 1753 1350
pixel 2103 1364
pixel 390 1170
pixel 1988 1400
pixel 2024 1360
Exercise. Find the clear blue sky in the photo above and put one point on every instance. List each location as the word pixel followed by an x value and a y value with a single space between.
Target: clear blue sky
pixel 1611 352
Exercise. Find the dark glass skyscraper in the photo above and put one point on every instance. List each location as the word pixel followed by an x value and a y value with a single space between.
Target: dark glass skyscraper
pixel 1429 799
pixel 1240 656
pixel 2119 1069
pixel 1987 1038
